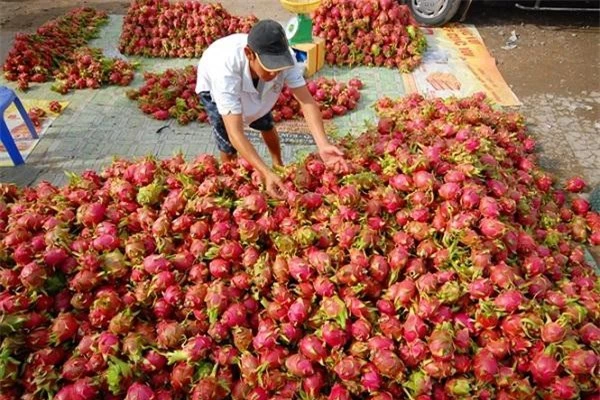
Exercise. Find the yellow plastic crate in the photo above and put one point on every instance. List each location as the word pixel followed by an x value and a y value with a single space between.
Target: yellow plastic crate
pixel 300 6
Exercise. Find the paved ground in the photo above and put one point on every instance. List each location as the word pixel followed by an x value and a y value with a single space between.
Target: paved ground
pixel 555 72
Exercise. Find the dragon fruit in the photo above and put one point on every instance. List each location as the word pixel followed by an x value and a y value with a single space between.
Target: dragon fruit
pixel 565 388
pixel 441 342
pixel 581 362
pixel 544 369
pixel 299 366
pixel 139 391
pixel 64 328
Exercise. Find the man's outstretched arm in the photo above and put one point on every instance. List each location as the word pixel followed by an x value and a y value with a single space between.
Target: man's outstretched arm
pixel 235 130
pixel 331 155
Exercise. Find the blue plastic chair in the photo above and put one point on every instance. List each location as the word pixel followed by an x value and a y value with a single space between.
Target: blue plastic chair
pixel 7 97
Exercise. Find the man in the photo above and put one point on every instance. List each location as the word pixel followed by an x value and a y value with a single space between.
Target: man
pixel 239 80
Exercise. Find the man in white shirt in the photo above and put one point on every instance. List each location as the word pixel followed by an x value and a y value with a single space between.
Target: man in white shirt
pixel 239 80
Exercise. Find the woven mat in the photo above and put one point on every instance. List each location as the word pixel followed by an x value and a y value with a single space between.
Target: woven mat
pixel 292 132
pixel 299 126
pixel 284 138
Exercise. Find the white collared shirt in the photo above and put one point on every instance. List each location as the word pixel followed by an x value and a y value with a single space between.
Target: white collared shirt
pixel 224 71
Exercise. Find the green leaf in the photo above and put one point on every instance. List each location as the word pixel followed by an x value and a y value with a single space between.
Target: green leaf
pixel 205 369
pixel 150 194
pixel 363 180
pixel 341 319
pixel 224 202
pixel 213 315
pixel 212 252
pixel 389 164
pixel 10 323
pixel 73 178
pixel 55 283
pixel 5 360
pixel 115 371
pixel 180 104
pixel 176 356
pixel 304 396
pixel 411 31
pixel 189 185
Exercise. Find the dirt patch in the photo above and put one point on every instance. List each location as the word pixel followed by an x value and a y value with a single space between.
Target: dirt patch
pixel 26 15
pixel 557 51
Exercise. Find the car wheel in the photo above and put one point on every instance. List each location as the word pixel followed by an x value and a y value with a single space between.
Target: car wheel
pixel 433 12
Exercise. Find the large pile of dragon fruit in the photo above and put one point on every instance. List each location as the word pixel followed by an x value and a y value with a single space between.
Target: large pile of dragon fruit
pixel 444 265
pixel 378 33
pixel 158 28
pixel 172 94
pixel 58 50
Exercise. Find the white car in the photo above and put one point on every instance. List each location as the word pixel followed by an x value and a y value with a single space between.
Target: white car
pixel 438 12
pixel 433 12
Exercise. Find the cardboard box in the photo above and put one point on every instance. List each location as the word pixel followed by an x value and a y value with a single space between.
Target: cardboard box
pixel 312 55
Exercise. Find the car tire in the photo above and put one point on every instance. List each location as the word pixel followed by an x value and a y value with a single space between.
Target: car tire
pixel 433 12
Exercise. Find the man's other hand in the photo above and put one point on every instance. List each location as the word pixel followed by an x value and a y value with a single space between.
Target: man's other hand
pixel 333 157
pixel 274 186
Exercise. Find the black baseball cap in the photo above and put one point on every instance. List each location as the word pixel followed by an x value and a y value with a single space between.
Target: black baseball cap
pixel 267 39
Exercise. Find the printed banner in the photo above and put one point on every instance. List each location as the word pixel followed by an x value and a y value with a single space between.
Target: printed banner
pixel 21 135
pixel 457 63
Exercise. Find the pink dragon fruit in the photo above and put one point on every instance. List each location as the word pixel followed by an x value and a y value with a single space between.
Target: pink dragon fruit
pixel 348 368
pixel 299 366
pixel 312 348
pixel 544 369
pixel 140 391
pixel 565 388
pixel 339 392
pixel 387 363
pixel 485 366
pixel 581 362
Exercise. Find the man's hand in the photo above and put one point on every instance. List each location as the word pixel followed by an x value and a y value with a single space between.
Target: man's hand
pixel 274 186
pixel 333 157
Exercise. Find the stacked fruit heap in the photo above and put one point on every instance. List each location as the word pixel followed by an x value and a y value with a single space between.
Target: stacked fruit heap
pixel 364 32
pixel 57 50
pixel 444 265
pixel 157 28
pixel 369 32
pixel 171 94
